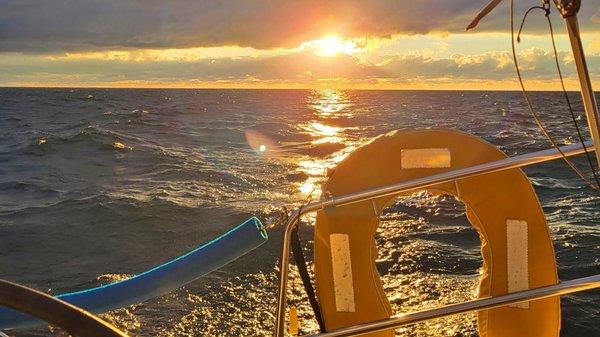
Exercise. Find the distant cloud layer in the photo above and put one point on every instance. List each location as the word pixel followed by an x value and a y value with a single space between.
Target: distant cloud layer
pixel 300 68
pixel 51 26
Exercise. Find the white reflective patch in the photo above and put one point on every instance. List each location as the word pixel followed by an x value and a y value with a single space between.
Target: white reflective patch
pixel 517 258
pixel 425 158
pixel 343 285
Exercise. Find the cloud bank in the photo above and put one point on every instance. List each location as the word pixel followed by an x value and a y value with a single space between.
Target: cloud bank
pixel 299 68
pixel 84 25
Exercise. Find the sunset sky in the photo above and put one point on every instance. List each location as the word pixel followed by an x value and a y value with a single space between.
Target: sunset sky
pixel 381 44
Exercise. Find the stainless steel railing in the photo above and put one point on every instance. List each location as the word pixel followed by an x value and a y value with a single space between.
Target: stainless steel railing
pixel 333 201
pixel 563 288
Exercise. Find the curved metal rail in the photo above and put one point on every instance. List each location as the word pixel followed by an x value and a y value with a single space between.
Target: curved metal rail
pixel 495 166
pixel 74 320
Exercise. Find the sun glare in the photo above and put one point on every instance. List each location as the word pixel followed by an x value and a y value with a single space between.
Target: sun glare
pixel 330 46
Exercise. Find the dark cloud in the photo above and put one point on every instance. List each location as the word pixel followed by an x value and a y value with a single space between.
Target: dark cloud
pixel 78 25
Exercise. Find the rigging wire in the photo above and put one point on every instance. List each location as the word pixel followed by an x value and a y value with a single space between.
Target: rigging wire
pixel 535 115
pixel 546 9
pixel 564 90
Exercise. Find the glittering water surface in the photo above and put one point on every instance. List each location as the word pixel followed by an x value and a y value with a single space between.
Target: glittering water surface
pixel 96 185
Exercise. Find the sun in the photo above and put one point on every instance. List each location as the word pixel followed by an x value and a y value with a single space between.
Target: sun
pixel 329 46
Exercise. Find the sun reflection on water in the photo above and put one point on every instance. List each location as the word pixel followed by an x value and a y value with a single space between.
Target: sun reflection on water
pixel 318 129
pixel 330 143
pixel 329 102
pixel 323 133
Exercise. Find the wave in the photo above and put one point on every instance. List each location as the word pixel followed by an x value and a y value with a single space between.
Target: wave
pixel 90 137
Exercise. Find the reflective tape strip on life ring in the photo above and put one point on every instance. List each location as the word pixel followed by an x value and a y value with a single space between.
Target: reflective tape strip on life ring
pixel 502 206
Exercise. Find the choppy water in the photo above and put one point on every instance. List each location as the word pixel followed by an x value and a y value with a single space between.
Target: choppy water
pixel 99 184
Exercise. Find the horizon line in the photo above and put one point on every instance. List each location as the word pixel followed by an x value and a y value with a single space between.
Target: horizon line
pixel 278 88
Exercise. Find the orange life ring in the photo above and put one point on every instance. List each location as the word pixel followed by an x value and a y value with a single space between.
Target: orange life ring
pixel 502 206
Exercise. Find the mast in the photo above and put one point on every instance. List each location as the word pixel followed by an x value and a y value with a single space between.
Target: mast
pixel 568 10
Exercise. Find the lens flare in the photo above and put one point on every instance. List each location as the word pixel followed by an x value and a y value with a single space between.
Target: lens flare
pixel 262 144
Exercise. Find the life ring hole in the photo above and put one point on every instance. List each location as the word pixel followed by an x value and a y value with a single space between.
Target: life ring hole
pixel 429 256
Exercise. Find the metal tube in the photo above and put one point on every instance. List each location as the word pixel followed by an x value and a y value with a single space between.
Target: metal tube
pixel 284 264
pixel 587 93
pixel 563 288
pixel 72 319
pixel 499 165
